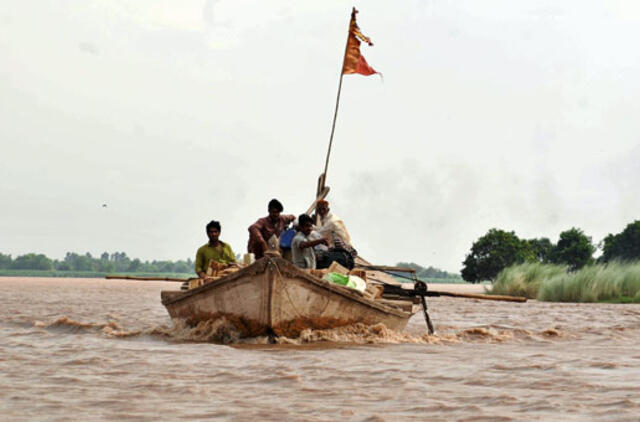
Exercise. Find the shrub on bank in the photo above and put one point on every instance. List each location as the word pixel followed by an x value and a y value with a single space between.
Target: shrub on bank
pixel 615 282
pixel 525 279
pixel 612 282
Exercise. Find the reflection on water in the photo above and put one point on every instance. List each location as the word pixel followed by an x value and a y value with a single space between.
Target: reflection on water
pixel 80 349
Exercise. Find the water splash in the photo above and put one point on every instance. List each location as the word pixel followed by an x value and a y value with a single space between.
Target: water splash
pixel 222 331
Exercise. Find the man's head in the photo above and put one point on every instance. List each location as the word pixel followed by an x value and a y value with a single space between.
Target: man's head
pixel 213 230
pixel 275 208
pixel 305 224
pixel 322 207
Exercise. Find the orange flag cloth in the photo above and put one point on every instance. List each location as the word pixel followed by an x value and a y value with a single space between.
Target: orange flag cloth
pixel 354 62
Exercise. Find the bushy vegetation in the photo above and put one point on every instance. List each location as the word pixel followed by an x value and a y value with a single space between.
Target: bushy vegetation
pixel 431 274
pixel 525 279
pixel 611 282
pixel 573 249
pixel 86 274
pixel 623 246
pixel 499 249
pixel 491 253
pixel 117 262
pixel 615 281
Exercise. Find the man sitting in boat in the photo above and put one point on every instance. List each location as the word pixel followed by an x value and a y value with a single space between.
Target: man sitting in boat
pixel 215 250
pixel 272 225
pixel 302 252
pixel 333 228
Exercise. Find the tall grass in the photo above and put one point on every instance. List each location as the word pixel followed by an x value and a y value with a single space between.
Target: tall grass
pixel 612 282
pixel 525 279
pixel 615 282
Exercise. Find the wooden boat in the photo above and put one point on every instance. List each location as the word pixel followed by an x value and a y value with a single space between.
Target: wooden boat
pixel 273 296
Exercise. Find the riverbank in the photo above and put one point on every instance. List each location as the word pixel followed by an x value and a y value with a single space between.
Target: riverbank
pixel 85 274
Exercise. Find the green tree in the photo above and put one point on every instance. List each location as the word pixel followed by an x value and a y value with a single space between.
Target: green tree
pixel 5 261
pixel 120 261
pixel 61 265
pixel 106 263
pixel 574 249
pixel 76 262
pixel 182 267
pixel 106 266
pixel 492 253
pixel 32 261
pixel 134 265
pixel 430 272
pixel 624 246
pixel 541 248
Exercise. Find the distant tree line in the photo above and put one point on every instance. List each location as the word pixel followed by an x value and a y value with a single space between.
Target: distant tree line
pixel 430 272
pixel 499 249
pixel 117 262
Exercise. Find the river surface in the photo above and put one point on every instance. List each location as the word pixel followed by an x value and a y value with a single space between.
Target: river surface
pixel 89 349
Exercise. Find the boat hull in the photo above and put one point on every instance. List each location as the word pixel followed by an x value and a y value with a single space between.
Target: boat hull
pixel 272 296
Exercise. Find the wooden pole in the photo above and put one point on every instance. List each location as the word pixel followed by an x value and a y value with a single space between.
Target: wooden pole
pixel 131 277
pixel 385 268
pixel 335 113
pixel 483 297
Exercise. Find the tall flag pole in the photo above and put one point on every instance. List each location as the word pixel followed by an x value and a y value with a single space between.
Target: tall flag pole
pixel 352 62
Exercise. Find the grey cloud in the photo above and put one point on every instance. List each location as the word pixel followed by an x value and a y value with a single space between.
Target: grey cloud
pixel 208 14
pixel 87 47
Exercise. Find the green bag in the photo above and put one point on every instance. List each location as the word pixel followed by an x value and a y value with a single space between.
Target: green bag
pixel 338 278
pixel 347 280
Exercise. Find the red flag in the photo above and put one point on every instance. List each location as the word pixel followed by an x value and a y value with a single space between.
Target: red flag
pixel 354 61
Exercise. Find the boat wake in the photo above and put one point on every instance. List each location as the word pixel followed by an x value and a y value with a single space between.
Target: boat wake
pixel 67 325
pixel 222 331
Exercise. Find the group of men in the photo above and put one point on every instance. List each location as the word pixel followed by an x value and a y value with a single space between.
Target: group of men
pixel 316 244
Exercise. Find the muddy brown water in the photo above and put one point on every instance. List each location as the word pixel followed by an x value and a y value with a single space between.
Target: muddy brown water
pixel 87 349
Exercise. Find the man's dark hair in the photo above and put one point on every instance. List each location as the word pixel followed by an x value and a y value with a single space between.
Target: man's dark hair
pixel 304 219
pixel 276 205
pixel 213 224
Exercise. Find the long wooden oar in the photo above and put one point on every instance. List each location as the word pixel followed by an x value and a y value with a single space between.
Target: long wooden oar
pixel 386 268
pixel 131 277
pixel 392 291
pixel 481 296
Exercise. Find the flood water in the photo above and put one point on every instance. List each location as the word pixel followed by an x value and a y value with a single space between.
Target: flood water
pixel 87 349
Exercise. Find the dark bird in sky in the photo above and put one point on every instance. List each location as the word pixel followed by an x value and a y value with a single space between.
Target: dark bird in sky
pixel 104 205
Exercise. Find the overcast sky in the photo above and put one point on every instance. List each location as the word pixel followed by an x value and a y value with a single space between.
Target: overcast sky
pixel 520 115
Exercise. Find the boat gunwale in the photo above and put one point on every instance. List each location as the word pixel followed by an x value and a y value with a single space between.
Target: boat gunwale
pixel 260 266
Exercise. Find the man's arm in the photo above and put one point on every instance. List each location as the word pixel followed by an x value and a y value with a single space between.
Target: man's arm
pixel 341 230
pixel 254 232
pixel 312 243
pixel 199 264
pixel 229 256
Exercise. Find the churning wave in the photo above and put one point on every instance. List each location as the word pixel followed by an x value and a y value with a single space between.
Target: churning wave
pixel 223 332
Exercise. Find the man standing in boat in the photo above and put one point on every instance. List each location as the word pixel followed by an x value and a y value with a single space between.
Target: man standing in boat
pixel 261 231
pixel 215 250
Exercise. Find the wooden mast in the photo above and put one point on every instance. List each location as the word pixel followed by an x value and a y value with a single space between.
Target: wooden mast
pixel 323 176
